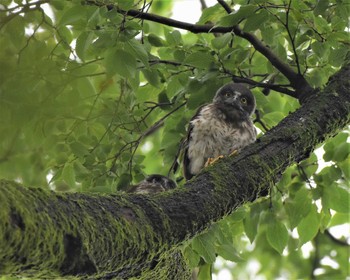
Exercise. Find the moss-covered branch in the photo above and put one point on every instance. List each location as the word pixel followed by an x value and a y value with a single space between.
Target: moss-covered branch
pixel 121 236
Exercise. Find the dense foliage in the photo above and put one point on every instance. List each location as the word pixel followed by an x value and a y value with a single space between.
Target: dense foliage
pixel 94 99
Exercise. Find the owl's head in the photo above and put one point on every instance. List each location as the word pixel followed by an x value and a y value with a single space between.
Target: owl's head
pixel 154 183
pixel 236 101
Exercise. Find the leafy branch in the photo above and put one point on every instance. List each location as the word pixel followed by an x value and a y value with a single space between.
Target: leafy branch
pixel 287 27
pixel 298 82
pixel 133 145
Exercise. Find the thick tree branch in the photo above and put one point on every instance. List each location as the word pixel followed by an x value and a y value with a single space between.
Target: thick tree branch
pixel 129 235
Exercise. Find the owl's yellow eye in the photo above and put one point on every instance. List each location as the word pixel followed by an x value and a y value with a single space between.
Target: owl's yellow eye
pixel 244 100
pixel 227 94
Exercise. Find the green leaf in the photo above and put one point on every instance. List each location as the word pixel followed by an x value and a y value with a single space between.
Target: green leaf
pixel 298 207
pixel 72 15
pixel 80 169
pixel 152 76
pixel 200 59
pixel 277 235
pixel 163 98
pixel 156 41
pixel 68 174
pixel 83 43
pixel 320 49
pixel 339 219
pixel 321 7
pixel 336 140
pixel 235 17
pixel 341 152
pixel 121 62
pixel 309 226
pixel 336 198
pixel 210 14
pixel 137 50
pixel 228 252
pixel 78 148
pixel 192 257
pixel 125 4
pixel 328 175
pixel 204 272
pixel 238 215
pixel 310 165
pixel 204 246
pixel 345 168
pixel 257 21
pixel 221 41
pixel 173 37
pixel 321 24
pixel 337 56
pixel 124 181
pixel 251 222
pixel 58 4
pixel 200 93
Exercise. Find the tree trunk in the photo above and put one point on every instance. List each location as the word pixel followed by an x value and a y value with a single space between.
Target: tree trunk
pixel 45 234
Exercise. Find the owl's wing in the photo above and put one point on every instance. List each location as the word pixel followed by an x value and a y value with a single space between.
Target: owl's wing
pixel 186 160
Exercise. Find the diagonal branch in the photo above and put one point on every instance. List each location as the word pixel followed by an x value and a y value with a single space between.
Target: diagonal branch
pixel 298 82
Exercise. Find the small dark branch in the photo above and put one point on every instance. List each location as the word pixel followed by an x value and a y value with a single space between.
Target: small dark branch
pixel 203 4
pixel 162 61
pixel 225 6
pixel 133 145
pixel 297 80
pixel 270 81
pixel 259 121
pixel 303 175
pixel 30 37
pixel 160 122
pixel 269 85
pixel 292 37
pixel 336 240
pixel 316 258
pixel 323 39
pixel 13 11
pixel 279 88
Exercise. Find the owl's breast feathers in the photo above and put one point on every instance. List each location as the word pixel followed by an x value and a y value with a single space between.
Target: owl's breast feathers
pixel 211 134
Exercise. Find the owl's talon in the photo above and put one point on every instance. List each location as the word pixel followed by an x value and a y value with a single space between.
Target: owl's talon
pixel 234 153
pixel 211 161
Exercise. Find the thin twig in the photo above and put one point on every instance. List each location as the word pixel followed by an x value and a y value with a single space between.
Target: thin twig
pixel 259 121
pixel 292 37
pixel 225 6
pixel 203 4
pixel 133 145
pixel 336 240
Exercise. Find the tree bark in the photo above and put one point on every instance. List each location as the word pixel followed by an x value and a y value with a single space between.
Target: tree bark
pixel 46 234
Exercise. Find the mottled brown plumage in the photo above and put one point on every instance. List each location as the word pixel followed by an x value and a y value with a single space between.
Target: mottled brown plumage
pixel 154 183
pixel 220 127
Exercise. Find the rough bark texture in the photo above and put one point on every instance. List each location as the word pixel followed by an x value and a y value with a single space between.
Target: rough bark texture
pixel 122 236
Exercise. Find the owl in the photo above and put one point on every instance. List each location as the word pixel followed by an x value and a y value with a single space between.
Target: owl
pixel 154 183
pixel 219 128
